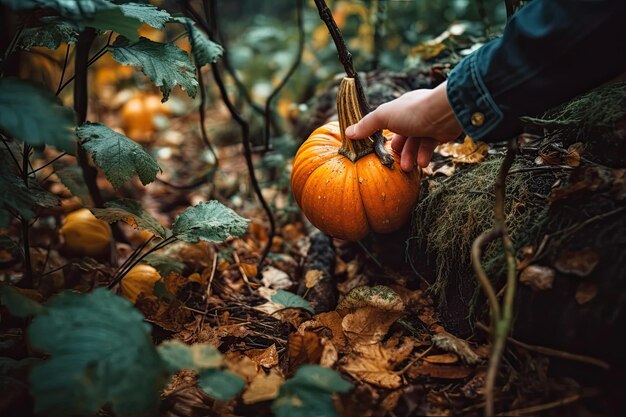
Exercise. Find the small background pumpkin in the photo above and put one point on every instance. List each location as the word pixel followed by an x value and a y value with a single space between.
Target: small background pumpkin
pixel 138 115
pixel 85 235
pixel 140 279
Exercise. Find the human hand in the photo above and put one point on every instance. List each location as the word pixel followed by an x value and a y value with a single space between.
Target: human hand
pixel 420 120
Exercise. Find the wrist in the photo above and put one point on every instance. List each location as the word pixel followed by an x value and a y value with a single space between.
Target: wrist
pixel 443 120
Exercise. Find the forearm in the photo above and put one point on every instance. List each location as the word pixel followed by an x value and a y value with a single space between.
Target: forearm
pixel 551 51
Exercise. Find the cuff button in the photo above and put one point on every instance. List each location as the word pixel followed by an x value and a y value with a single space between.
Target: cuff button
pixel 477 119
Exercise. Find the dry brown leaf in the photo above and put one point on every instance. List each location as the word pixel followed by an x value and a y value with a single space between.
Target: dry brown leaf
pixel 312 277
pixel 330 356
pixel 375 364
pixel 368 325
pixel 266 358
pixel 572 158
pixel 537 277
pixel 242 365
pixel 328 325
pixel 263 387
pixel 444 358
pixel 586 292
pixel 578 262
pixel 275 278
pixel 432 370
pixel 304 348
pixel 468 152
pixel 450 343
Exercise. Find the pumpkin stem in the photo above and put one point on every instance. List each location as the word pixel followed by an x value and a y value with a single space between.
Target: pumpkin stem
pixel 349 113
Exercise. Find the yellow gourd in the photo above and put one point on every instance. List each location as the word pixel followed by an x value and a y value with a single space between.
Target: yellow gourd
pixel 140 279
pixel 85 235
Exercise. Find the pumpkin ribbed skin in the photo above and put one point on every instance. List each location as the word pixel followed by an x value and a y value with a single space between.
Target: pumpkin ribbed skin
pixel 346 199
pixel 140 279
pixel 85 235
pixel 138 115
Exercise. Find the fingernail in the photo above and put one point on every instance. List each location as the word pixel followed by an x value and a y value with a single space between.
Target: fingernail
pixel 350 131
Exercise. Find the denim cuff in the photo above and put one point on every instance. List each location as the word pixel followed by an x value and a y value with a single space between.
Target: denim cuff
pixel 473 105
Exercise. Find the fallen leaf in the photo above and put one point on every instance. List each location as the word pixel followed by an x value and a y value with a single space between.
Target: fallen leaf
pixel 432 370
pixel 586 292
pixel 468 152
pixel 263 387
pixel 578 262
pixel 572 158
pixel 368 325
pixel 445 358
pixel 450 343
pixel 330 356
pixel 275 278
pixel 537 277
pixel 241 365
pixel 312 277
pixel 266 358
pixel 328 325
pixel 304 348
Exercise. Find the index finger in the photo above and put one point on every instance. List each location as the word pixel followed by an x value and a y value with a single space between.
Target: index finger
pixel 370 123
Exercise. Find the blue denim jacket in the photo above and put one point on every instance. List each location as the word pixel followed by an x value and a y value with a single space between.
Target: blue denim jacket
pixel 551 51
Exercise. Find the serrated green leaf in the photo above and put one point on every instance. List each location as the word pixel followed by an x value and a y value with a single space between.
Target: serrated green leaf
pixel 204 50
pixel 34 115
pixel 118 156
pixel 19 305
pixel 164 264
pixel 100 353
pixel 165 64
pixel 308 393
pixel 71 8
pixel 210 221
pixel 115 20
pixel 221 385
pixel 197 357
pixel 146 13
pixel 130 211
pixel 290 300
pixel 51 34
pixel 15 195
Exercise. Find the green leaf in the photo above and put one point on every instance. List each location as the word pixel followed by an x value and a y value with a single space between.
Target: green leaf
pixel 165 64
pixel 308 393
pixel 34 115
pixel 72 177
pixel 198 357
pixel 146 13
pixel 100 353
pixel 118 156
pixel 19 305
pixel 130 211
pixel 204 50
pixel 164 264
pixel 221 385
pixel 210 221
pixel 51 34
pixel 71 8
pixel 15 195
pixel 290 300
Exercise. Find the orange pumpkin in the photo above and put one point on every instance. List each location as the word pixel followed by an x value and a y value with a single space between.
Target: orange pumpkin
pixel 340 184
pixel 85 235
pixel 138 115
pixel 140 279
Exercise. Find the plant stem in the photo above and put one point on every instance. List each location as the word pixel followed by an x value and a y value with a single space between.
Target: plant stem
pixel 202 114
pixel 292 70
pixel 85 39
pixel 28 267
pixel 345 57
pixel 349 113
pixel 67 55
pixel 501 317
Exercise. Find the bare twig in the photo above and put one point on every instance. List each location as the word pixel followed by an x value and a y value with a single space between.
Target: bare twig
pixel 535 409
pixel 292 70
pixel 501 316
pixel 555 353
pixel 67 55
pixel 27 281
pixel 202 114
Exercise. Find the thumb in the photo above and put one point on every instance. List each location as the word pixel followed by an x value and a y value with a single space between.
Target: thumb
pixel 369 124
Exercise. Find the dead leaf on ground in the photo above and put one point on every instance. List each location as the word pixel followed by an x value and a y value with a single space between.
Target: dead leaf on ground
pixel 468 152
pixel 241 365
pixel 537 277
pixel 578 262
pixel 444 358
pixel 328 325
pixel 450 343
pixel 376 363
pixel 439 371
pixel 574 151
pixel 304 348
pixel 275 278
pixel 312 277
pixel 330 355
pixel 368 325
pixel 263 387
pixel 266 358
pixel 586 292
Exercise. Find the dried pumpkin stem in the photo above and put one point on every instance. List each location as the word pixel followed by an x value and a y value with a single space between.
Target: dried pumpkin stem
pixel 349 113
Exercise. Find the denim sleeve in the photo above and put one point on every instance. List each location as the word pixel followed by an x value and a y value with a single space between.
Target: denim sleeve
pixel 551 51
